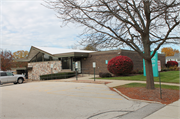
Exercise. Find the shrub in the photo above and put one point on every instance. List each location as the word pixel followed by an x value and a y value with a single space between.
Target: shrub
pixel 120 65
pixel 171 68
pixel 174 68
pixel 62 75
pixel 172 63
pixel 137 71
pixel 140 72
pixel 101 74
pixel 164 69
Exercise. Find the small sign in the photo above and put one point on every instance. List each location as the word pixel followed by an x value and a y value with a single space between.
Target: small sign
pixel 51 66
pixel 106 61
pixel 94 64
pixel 154 61
pixel 76 65
pixel 159 65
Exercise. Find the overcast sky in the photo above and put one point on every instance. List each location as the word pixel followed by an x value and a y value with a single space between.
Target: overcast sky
pixel 26 23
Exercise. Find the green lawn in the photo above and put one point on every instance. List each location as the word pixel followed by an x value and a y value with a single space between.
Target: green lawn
pixel 169 77
pixel 144 85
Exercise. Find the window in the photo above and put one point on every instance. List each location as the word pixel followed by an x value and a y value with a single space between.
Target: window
pixel 40 57
pixel 47 57
pixel 55 58
pixel 3 74
pixel 33 59
pixel 9 74
pixel 66 63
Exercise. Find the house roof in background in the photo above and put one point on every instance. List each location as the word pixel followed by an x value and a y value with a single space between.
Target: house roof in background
pixel 176 56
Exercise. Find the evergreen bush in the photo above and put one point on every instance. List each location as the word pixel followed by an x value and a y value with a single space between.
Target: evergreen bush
pixel 106 74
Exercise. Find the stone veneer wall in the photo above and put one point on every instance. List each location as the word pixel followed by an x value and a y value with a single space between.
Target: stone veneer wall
pixel 41 68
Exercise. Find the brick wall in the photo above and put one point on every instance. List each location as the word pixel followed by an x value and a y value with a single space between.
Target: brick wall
pixel 41 68
pixel 100 57
pixel 135 57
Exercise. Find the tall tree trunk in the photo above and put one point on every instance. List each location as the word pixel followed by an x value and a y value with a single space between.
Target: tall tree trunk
pixel 149 75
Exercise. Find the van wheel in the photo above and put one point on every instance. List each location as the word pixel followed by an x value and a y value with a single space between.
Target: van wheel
pixel 20 80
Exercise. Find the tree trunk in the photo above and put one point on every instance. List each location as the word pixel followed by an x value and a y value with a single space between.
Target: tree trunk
pixel 149 75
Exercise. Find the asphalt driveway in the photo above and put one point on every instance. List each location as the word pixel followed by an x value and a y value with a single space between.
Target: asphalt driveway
pixel 64 100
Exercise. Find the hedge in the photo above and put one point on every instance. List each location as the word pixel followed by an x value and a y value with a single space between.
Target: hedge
pixel 172 63
pixel 62 75
pixel 104 74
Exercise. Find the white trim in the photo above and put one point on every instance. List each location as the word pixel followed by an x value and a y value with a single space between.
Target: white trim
pixel 54 51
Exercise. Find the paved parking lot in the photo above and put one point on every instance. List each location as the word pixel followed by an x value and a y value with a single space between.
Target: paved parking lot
pixel 63 100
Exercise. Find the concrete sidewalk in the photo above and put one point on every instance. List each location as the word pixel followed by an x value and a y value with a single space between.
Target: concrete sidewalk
pixel 171 111
pixel 113 83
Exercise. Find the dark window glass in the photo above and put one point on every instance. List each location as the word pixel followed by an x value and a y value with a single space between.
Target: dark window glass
pixel 66 63
pixel 34 59
pixel 47 57
pixel 3 74
pixel 40 57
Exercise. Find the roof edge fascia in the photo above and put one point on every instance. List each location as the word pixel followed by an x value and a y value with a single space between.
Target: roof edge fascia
pixel 33 47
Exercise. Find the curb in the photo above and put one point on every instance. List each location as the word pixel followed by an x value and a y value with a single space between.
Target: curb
pixel 134 99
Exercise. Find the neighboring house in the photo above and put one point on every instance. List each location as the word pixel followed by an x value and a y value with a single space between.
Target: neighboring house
pixel 176 57
pixel 46 60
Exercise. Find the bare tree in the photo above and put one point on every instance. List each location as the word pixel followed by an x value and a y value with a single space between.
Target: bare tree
pixel 143 25
pixel 90 47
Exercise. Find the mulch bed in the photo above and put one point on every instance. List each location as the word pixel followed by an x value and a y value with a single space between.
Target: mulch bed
pixel 168 95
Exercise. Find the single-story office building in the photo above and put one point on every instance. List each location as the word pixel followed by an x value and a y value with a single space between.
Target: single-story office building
pixel 47 60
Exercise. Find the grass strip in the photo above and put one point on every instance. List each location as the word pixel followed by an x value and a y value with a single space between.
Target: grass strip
pixel 144 85
pixel 168 77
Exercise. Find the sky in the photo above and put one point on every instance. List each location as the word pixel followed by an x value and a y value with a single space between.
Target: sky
pixel 26 23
